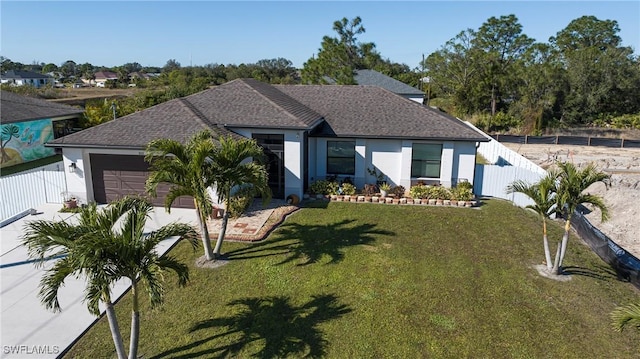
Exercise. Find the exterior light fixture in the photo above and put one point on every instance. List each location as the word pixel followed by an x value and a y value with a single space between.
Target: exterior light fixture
pixel 72 167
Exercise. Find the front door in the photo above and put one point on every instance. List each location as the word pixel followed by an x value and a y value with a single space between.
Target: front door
pixel 273 147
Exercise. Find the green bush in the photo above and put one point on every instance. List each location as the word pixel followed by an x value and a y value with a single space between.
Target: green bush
pixel 439 192
pixel 420 191
pixel 240 201
pixel 462 193
pixel 501 122
pixel 348 189
pixel 324 187
pixel 465 184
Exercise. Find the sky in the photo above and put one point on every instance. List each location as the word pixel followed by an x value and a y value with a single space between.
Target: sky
pixel 113 33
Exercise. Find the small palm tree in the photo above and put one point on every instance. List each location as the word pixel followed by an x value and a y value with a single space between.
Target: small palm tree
pixel 627 315
pixel 542 194
pixel 233 169
pixel 106 246
pixel 572 182
pixel 187 169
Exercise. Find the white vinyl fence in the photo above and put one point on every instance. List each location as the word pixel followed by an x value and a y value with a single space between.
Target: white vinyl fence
pixel 507 166
pixel 492 181
pixel 29 189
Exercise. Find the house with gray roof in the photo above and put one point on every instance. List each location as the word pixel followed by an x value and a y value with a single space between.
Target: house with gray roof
pixel 308 133
pixel 22 78
pixel 27 123
pixel 375 78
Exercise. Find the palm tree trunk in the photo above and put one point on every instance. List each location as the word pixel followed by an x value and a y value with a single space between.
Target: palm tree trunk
pixel 565 239
pixel 206 240
pixel 556 263
pixel 135 322
pixel 223 229
pixel 115 330
pixel 545 242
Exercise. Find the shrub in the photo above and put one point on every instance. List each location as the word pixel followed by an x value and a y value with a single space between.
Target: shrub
pixel 319 187
pixel 439 192
pixel 240 201
pixel 369 190
pixel 465 185
pixel 420 191
pixel 348 189
pixel 462 193
pixel 398 191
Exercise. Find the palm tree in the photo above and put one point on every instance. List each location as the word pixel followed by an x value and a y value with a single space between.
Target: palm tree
pixel 103 247
pixel 233 170
pixel 572 182
pixel 187 169
pixel 629 314
pixel 542 194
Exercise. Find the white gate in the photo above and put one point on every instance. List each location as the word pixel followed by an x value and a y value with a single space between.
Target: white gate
pixel 29 189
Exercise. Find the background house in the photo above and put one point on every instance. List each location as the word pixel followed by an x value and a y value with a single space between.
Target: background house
pixel 28 123
pixel 308 132
pixel 375 78
pixel 101 78
pixel 21 78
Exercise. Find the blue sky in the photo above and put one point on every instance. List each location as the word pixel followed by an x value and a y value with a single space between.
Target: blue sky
pixel 202 32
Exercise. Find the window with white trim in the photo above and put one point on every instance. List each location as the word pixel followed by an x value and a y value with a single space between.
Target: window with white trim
pixel 341 157
pixel 425 160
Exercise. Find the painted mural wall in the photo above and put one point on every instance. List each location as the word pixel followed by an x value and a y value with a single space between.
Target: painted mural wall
pixel 24 141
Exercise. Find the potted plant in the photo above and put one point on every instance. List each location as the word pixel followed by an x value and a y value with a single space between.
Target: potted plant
pixel 69 200
pixel 384 189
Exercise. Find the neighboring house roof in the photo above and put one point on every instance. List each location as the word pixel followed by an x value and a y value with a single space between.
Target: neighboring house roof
pixel 13 74
pixel 346 111
pixel 374 78
pixel 371 111
pixel 105 75
pixel 18 108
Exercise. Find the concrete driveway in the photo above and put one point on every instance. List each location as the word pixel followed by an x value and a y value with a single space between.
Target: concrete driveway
pixel 28 330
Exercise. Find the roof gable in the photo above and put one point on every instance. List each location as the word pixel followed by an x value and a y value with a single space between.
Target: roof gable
pixel 18 108
pixel 251 103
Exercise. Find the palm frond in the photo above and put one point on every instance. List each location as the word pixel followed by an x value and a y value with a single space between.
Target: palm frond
pixel 627 315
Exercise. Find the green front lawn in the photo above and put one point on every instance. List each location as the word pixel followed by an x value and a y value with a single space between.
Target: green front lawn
pixel 345 280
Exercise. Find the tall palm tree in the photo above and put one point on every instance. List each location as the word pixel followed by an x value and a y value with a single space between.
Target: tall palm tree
pixel 543 195
pixel 234 169
pixel 107 245
pixel 187 168
pixel 572 182
pixel 627 315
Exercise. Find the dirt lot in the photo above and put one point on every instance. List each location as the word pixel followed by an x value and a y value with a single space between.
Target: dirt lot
pixel 623 197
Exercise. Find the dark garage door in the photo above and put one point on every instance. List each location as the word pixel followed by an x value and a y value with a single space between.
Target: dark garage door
pixel 115 176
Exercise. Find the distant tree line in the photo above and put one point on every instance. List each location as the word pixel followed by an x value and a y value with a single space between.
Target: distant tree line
pixel 495 76
pixel 505 80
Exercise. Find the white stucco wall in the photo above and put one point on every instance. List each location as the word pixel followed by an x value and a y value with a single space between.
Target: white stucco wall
pixel 393 158
pixel 80 182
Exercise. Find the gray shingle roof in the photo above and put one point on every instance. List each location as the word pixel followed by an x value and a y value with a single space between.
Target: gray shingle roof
pixel 346 111
pixel 173 119
pixel 250 103
pixel 15 74
pixel 374 78
pixel 18 108
pixel 370 111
